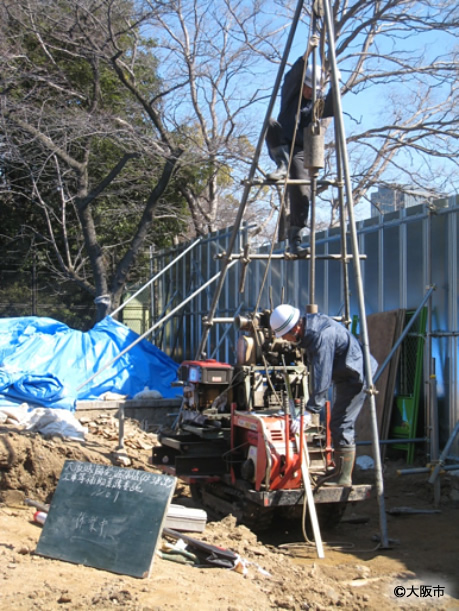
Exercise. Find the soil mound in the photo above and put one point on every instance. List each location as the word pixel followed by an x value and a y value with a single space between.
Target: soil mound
pixel 279 570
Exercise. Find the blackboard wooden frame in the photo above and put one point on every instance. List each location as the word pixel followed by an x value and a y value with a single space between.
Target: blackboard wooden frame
pixel 106 517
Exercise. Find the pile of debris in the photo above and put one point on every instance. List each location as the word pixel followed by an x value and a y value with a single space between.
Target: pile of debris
pixel 107 427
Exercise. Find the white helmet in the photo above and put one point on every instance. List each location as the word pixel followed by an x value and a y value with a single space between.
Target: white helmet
pixel 308 77
pixel 283 319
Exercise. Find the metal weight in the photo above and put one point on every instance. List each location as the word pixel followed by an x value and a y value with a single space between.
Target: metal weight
pixel 314 144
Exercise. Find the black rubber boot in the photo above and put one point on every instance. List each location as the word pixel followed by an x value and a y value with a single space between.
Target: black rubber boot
pixel 344 461
pixel 280 155
pixel 294 242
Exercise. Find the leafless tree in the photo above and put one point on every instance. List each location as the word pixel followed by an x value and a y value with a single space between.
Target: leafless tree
pixel 123 110
pixel 216 57
pixel 134 78
pixel 57 63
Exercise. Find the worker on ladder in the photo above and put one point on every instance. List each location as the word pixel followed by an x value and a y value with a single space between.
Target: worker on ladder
pixel 335 356
pixel 279 138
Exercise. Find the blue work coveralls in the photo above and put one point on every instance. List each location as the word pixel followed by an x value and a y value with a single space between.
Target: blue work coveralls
pixel 280 133
pixel 335 356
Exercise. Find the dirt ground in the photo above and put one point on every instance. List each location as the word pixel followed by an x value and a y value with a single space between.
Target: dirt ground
pixel 282 570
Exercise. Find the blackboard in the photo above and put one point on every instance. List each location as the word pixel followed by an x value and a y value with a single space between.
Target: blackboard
pixel 106 517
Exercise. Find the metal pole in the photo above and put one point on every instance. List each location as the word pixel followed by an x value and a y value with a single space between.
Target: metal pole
pixel 312 244
pixel 432 403
pixel 169 265
pixel 160 322
pixel 268 256
pixel 391 441
pixel 342 212
pixel 152 288
pixel 358 279
pixel 248 185
pixel 435 440
pixel 415 470
pixel 227 330
pixel 443 455
pixel 121 419
pixel 313 177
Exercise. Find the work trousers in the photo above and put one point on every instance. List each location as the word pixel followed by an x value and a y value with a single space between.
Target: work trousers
pixel 348 399
pixel 298 195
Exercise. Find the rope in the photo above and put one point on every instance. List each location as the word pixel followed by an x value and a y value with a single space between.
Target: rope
pixel 330 545
pixel 284 186
pixel 316 113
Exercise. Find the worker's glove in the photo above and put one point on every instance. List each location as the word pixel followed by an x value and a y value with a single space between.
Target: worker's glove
pixel 296 423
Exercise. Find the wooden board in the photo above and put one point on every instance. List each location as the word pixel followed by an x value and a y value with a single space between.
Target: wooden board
pixel 384 328
pixel 106 517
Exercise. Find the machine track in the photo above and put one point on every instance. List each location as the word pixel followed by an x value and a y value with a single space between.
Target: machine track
pixel 220 500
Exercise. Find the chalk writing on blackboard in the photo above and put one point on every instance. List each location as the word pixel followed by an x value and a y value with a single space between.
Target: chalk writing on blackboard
pixel 94 525
pixel 108 483
pixel 106 517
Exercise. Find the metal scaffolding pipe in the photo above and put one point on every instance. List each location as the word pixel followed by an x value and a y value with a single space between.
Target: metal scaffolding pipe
pixel 158 275
pixel 333 257
pixel 225 319
pixel 391 441
pixel 440 464
pixel 157 324
pixel 342 211
pixel 253 167
pixel 257 182
pixel 415 470
pixel 358 279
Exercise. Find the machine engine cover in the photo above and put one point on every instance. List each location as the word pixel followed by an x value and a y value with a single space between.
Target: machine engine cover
pixel 274 455
pixel 208 371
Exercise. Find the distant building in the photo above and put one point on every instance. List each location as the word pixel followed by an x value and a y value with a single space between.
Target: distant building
pixel 390 199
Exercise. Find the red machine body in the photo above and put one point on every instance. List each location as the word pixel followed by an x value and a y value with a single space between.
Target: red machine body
pixel 208 371
pixel 270 451
pixel 232 442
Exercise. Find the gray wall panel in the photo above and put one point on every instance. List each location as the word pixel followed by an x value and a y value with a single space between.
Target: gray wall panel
pixel 415 247
pixel 373 286
pixel 392 269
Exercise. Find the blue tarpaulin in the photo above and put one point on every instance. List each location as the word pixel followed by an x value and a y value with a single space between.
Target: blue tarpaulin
pixel 44 362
